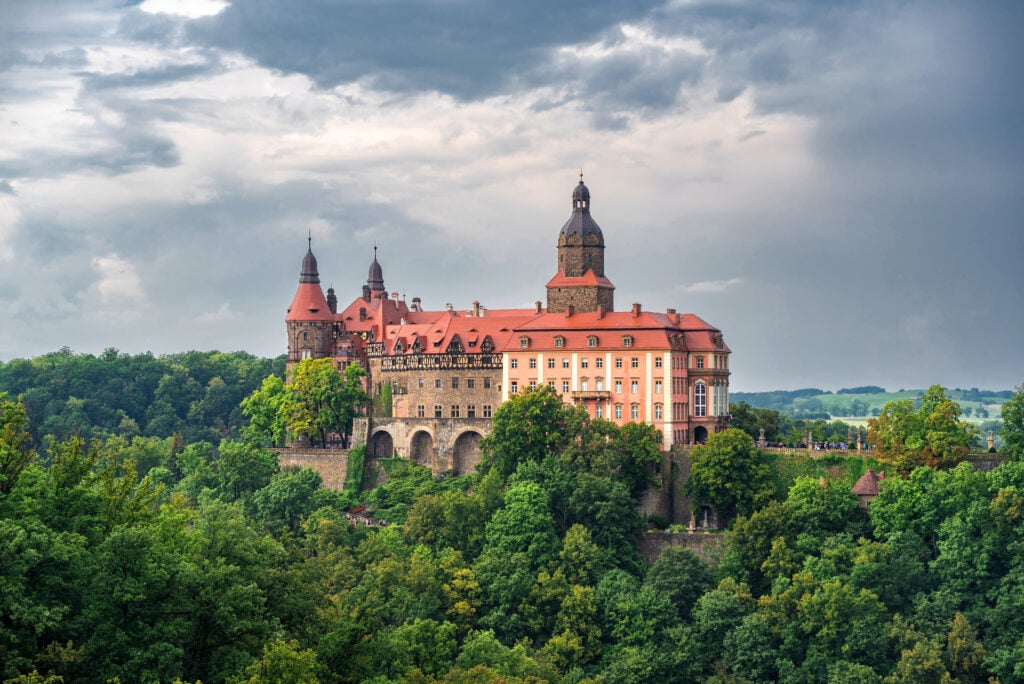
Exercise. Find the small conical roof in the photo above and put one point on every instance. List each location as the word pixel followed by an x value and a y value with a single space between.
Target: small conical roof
pixel 867 485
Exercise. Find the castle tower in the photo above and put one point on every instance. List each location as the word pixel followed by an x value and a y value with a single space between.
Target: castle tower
pixel 580 281
pixel 309 319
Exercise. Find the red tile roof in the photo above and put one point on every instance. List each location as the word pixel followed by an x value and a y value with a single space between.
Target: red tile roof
pixel 309 304
pixel 588 279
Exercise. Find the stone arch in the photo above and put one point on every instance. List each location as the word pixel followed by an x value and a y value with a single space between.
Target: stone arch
pixel 381 445
pixel 700 434
pixel 421 447
pixel 466 452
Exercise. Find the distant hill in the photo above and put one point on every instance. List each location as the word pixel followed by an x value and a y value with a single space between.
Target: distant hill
pixel 867 401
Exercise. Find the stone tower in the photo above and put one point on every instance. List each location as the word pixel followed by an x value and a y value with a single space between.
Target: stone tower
pixel 310 321
pixel 580 281
pixel 374 287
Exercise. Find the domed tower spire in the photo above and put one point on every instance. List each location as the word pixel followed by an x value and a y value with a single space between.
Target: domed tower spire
pixel 580 281
pixel 375 279
pixel 309 273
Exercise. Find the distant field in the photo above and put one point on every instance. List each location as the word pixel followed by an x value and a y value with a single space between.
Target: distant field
pixel 857 408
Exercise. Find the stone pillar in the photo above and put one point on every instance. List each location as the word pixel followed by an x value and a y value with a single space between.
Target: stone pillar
pixel 860 441
pixel 991 440
pixel 760 438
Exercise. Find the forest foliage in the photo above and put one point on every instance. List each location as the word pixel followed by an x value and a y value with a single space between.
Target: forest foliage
pixel 148 558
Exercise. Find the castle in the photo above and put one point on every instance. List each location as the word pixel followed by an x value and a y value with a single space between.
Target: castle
pixel 448 370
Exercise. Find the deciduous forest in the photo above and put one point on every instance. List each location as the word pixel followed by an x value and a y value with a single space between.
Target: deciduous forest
pixel 145 536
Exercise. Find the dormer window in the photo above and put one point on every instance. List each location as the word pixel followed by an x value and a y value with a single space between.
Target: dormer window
pixel 627 340
pixel 524 342
pixel 559 341
pixel 592 341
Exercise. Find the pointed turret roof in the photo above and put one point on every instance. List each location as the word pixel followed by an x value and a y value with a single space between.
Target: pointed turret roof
pixel 309 303
pixel 375 279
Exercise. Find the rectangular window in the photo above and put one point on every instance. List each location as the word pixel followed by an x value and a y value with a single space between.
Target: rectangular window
pixel 421 411
pixel 634 386
pixel 487 410
pixel 514 363
pixel 551 362
pixel 599 411
pixel 470 383
pixel 634 411
pixel 627 341
pixel 618 362
pixel 599 362
pixel 437 383
pixel 565 387
pixel 700 362
pixel 533 363
pixel 657 386
pixel 471 411
pixel 584 362
pixel 618 412
pixel 419 383
pixel 524 342
pixel 455 411
pixel 583 385
pixel 533 384
pixel 551 384
pixel 437 410
pixel 565 363
pixel 634 362
pixel 618 387
pixel 591 341
pixel 559 342
pixel 657 411
pixel 599 384
pixel 513 387
pixel 700 400
pixel 658 361
pixel 487 383
pixel 455 383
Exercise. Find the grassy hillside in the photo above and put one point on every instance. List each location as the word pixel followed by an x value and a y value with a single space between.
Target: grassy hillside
pixel 978 405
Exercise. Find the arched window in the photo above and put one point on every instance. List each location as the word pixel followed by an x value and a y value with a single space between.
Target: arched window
pixel 592 341
pixel 559 341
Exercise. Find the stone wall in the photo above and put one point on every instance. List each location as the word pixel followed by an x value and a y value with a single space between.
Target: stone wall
pixel 707 547
pixel 441 444
pixel 332 464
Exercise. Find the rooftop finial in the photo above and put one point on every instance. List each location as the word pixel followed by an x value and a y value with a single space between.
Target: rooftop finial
pixel 309 238
pixel 581 174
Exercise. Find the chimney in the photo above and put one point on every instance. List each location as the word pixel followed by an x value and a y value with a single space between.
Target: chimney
pixel 636 309
pixel 569 310
pixel 600 311
pixel 448 307
pixel 476 309
pixel 394 296
pixel 416 303
pixel 670 312
pixel 536 306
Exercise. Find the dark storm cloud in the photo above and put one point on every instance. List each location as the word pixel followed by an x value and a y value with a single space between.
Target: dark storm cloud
pixel 466 49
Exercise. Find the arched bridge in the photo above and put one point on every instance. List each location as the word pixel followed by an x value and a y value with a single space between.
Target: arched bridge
pixel 441 444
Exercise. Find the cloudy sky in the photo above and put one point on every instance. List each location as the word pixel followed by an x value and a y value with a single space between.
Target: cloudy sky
pixel 838 186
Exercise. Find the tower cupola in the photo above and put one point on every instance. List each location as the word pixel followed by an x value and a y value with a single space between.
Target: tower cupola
pixel 580 280
pixel 375 279
pixel 309 273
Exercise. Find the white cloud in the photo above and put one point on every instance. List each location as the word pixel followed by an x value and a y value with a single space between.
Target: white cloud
pixel 118 280
pixel 224 313
pixel 712 285
pixel 184 8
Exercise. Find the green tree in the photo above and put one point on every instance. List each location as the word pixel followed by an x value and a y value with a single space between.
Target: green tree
pixel 320 402
pixel 267 425
pixel 933 434
pixel 729 473
pixel 15 442
pixel 1013 424
pixel 528 427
